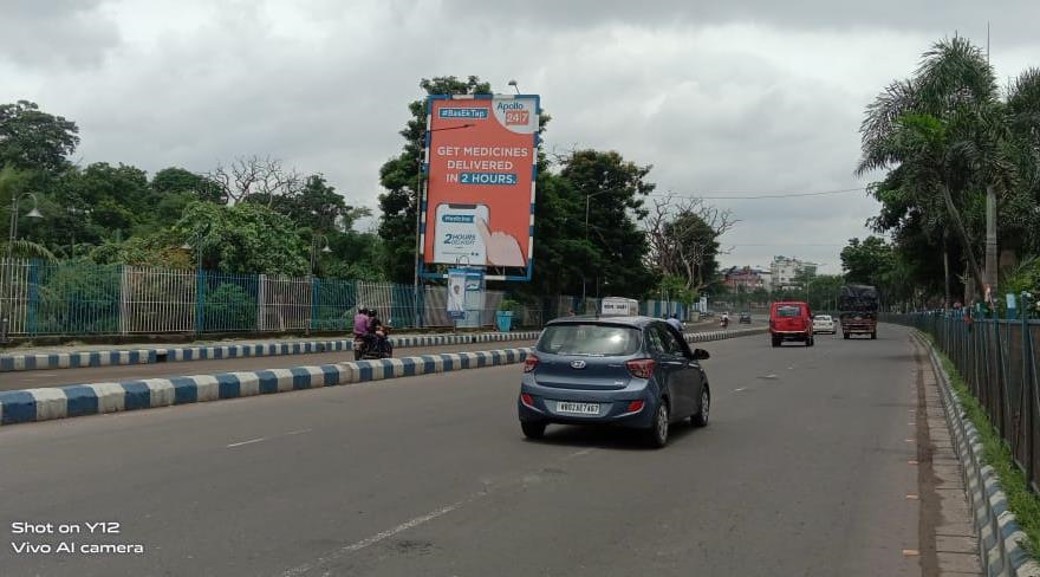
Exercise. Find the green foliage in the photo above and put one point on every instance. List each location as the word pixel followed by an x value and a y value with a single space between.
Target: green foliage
pixel 163 249
pixel 1023 278
pixel 31 139
pixel 675 289
pixel 244 238
pixel 867 262
pixel 181 182
pixel 77 298
pixel 511 305
pixel 947 135
pixel 229 308
pixel 612 243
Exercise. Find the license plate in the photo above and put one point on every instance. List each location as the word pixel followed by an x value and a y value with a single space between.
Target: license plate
pixel 578 408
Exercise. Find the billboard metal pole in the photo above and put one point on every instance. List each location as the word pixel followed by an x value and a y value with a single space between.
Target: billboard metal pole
pixel 418 246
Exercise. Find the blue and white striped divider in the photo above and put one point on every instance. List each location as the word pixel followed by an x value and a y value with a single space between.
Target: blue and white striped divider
pixel 718 335
pixel 75 360
pixel 9 363
pixel 1000 536
pixel 34 405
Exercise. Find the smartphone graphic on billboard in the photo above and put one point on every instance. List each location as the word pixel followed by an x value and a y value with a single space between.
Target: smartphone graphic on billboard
pixel 456 238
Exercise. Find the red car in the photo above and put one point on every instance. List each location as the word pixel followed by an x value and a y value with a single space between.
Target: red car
pixel 791 321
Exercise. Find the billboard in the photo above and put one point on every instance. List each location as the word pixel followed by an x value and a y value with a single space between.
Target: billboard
pixel 481 157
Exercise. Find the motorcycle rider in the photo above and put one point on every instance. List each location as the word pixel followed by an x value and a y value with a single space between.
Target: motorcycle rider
pixel 675 322
pixel 377 333
pixel 362 320
pixel 725 319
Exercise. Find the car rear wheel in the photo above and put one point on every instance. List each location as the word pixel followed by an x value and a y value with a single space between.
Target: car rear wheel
pixel 533 430
pixel 657 436
pixel 873 336
pixel 809 341
pixel 776 342
pixel 700 418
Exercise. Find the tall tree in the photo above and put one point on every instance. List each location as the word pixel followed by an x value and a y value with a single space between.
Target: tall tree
pixel 612 190
pixel 866 262
pixel 31 139
pixel 400 177
pixel 317 206
pixel 682 237
pixel 259 179
pixel 176 180
pixel 945 130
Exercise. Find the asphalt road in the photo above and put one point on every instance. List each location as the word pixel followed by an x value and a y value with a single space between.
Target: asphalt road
pixel 802 472
pixel 61 377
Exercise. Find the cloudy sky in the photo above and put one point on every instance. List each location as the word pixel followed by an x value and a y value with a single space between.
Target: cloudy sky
pixel 725 99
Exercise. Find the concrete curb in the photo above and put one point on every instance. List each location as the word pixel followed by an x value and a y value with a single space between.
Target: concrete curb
pixel 34 405
pixel 75 360
pixel 998 531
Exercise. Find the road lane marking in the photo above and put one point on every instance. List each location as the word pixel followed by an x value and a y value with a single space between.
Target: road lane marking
pixel 249 442
pixel 740 389
pixel 300 432
pixel 369 541
pixel 489 487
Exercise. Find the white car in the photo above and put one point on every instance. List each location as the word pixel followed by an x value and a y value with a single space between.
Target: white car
pixel 823 324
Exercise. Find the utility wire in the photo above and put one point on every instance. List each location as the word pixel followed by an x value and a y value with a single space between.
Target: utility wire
pixel 760 196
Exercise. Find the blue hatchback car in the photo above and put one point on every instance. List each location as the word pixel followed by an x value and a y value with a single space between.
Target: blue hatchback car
pixel 635 372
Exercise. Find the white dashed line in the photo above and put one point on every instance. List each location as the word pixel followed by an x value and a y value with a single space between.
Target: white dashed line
pixel 249 442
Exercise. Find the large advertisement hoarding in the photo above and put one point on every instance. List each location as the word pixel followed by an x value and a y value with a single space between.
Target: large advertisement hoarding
pixel 481 156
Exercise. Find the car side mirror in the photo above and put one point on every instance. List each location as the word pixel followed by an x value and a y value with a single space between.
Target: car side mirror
pixel 700 354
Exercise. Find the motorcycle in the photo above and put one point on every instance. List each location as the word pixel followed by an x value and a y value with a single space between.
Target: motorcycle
pixel 724 322
pixel 364 352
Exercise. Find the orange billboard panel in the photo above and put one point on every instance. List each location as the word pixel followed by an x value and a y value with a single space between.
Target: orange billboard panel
pixel 481 158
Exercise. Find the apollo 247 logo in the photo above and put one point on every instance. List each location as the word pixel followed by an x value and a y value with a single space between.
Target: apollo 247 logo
pixel 516 114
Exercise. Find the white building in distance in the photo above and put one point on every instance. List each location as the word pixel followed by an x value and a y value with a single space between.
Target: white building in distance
pixel 785 272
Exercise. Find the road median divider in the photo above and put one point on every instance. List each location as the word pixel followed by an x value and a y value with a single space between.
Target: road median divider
pixel 44 404
pixel 85 359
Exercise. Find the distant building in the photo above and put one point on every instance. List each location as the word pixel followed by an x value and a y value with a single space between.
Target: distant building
pixel 786 272
pixel 745 278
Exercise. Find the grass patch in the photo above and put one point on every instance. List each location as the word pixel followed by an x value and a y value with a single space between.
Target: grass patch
pixel 1023 503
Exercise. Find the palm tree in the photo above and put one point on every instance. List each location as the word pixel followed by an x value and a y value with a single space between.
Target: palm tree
pixel 945 128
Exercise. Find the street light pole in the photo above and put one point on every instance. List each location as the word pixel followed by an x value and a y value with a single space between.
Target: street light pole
pixel 5 309
pixel 588 200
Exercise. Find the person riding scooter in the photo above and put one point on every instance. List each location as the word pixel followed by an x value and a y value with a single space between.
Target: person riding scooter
pixel 725 320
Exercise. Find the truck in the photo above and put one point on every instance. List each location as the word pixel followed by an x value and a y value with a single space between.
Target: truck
pixel 858 309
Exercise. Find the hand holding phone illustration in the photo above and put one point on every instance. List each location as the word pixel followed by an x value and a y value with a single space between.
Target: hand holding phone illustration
pixel 501 248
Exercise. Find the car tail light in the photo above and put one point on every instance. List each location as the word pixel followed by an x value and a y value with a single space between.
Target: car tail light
pixel 635 406
pixel 641 368
pixel 527 400
pixel 530 363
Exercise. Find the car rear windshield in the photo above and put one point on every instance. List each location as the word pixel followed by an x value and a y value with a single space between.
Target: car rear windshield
pixel 823 317
pixel 789 311
pixel 589 339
